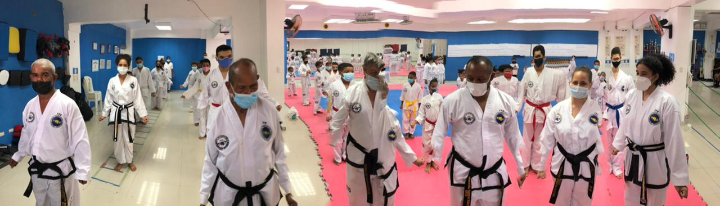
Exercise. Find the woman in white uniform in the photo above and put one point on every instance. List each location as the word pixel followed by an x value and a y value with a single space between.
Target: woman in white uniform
pixel 651 133
pixel 572 135
pixel 122 99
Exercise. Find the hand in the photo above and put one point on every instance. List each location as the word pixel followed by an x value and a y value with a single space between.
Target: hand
pixel 419 162
pixel 682 191
pixel 615 151
pixel 279 107
pixel 328 118
pixel 101 118
pixel 324 93
pixel 153 94
pixel 145 119
pixel 412 124
pixel 13 163
pixel 290 200
pixel 541 175
pixel 82 181
pixel 521 180
pixel 182 97
pixel 171 84
pixel 182 87
pixel 517 111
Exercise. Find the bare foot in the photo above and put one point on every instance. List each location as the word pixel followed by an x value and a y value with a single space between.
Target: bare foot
pixel 197 124
pixel 619 176
pixel 201 138
pixel 527 170
pixel 435 166
pixel 427 168
pixel 132 167
pixel 118 167
pixel 191 111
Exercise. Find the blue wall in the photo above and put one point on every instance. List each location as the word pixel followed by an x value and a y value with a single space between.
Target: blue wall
pixel 48 19
pixel 182 52
pixel 106 34
pixel 475 37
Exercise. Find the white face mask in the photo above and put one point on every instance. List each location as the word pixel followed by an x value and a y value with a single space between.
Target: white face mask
pixel 642 83
pixel 477 89
pixel 122 70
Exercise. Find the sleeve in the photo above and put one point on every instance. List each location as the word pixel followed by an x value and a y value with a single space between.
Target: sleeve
pixel 279 149
pixel 263 92
pixel 514 139
pixel 109 99
pixel 562 86
pixel 204 99
pixel 151 83
pixel 521 93
pixel 80 144
pixel 571 68
pixel 674 144
pixel 24 144
pixel 402 147
pixel 421 113
pixel 302 71
pixel 620 143
pixel 338 119
pixel 331 99
pixel 169 76
pixel 188 79
pixel 600 148
pixel 210 170
pixel 441 127
pixel 402 93
pixel 139 103
pixel 548 138
pixel 517 91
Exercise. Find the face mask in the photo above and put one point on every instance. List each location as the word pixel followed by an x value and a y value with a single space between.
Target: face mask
pixel 642 83
pixel 348 77
pixel 508 75
pixel 42 87
pixel 602 79
pixel 579 92
pixel 139 66
pixel 206 69
pixel 372 82
pixel 514 62
pixel 158 66
pixel 538 61
pixel 596 67
pixel 305 62
pixel 225 63
pixel 122 70
pixel 168 61
pixel 194 68
pixel 476 89
pixel 411 81
pixel 432 91
pixel 328 68
pixel 616 64
pixel 245 101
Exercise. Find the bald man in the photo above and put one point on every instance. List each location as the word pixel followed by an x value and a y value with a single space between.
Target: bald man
pixel 245 159
pixel 56 139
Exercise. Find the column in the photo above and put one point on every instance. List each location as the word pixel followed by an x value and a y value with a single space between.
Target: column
pixel 713 24
pixel 678 48
pixel 73 66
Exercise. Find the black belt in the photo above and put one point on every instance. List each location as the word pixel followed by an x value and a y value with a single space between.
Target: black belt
pixel 370 166
pixel 38 168
pixel 118 119
pixel 242 192
pixel 575 160
pixel 632 174
pixel 480 172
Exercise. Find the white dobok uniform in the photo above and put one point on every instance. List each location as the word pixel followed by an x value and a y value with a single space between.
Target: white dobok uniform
pixel 122 101
pixel 245 163
pixel 374 137
pixel 428 115
pixel 429 73
pixel 305 83
pixel 616 91
pixel 57 142
pixel 439 73
pixel 395 63
pixel 460 83
pixel 291 78
pixel 477 137
pixel 508 86
pixel 576 145
pixel 321 84
pixel 162 82
pixel 189 81
pixel 337 92
pixel 410 97
pixel 194 92
pixel 655 148
pixel 538 91
pixel 420 77
pixel 515 67
pixel 147 85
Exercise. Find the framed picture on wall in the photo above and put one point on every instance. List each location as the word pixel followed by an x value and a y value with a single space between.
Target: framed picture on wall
pixel 123 47
pixel 110 49
pixel 95 65
pixel 102 49
pixel 95 45
pixel 102 63
pixel 109 64
pixel 117 49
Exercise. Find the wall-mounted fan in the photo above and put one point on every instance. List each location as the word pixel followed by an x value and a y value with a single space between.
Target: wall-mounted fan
pixel 292 26
pixel 658 25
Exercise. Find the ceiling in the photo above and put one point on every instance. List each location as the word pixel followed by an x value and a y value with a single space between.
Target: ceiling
pixel 177 24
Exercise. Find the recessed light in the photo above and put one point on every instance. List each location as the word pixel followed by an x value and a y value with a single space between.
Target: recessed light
pixel 392 20
pixel 298 6
pixel 339 21
pixel 599 12
pixel 555 20
pixel 164 26
pixel 481 22
pixel 376 11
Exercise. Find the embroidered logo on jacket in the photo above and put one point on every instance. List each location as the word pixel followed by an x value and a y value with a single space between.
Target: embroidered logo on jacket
pixel 392 136
pixel 356 108
pixel 266 132
pixel 558 118
pixel 57 121
pixel 594 119
pixel 336 93
pixel 627 109
pixel 530 84
pixel 31 117
pixel 427 105
pixel 655 118
pixel 132 85
pixel 222 142
pixel 214 84
pixel 500 117
pixel 622 88
pixel 469 118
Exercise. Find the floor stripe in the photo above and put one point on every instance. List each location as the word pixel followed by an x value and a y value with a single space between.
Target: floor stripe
pixel 113 184
pixel 703 136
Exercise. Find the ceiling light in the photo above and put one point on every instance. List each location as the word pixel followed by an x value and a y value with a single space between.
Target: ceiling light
pixel 481 22
pixel 599 12
pixel 164 26
pixel 694 20
pixel 298 6
pixel 537 21
pixel 376 11
pixel 392 20
pixel 339 21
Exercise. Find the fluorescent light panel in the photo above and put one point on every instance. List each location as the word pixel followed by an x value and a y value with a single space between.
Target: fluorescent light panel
pixel 481 22
pixel 339 21
pixel 298 6
pixel 376 11
pixel 599 12
pixel 164 28
pixel 392 20
pixel 552 20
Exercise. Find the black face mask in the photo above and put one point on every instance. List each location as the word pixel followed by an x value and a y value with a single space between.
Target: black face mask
pixel 538 62
pixel 514 62
pixel 616 64
pixel 158 66
pixel 42 87
pixel 305 62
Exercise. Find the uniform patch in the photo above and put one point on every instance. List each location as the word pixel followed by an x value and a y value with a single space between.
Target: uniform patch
pixel 469 118
pixel 622 88
pixel 500 117
pixel 336 93
pixel 558 118
pixel 627 109
pixel 132 85
pixel 31 117
pixel 222 142
pixel 113 87
pixel 654 118
pixel 530 84
pixel 266 132
pixel 392 136
pixel 56 121
pixel 609 87
pixel 214 84
pixel 356 108
pixel 594 119
pixel 427 105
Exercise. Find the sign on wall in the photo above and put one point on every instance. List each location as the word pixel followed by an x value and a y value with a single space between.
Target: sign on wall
pixel 469 50
pixel 566 50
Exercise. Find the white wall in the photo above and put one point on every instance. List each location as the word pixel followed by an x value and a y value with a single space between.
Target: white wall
pixel 212 44
pixel 154 33
pixel 353 46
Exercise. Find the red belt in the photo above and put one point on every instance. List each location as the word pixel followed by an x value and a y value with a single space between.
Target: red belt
pixel 537 107
pixel 335 109
pixel 428 121
pixel 215 105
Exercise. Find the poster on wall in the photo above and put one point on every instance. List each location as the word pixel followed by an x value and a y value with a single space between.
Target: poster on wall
pixel 117 49
pixel 102 49
pixel 638 46
pixel 468 50
pixel 607 47
pixel 95 65
pixel 95 46
pixel 160 57
pixel 620 42
pixel 109 64
pixel 102 63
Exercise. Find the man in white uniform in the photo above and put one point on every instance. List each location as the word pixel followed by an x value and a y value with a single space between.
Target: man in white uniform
pixel 515 66
pixel 245 155
pixel 507 83
pixel 168 65
pixel 195 91
pixel 305 72
pixel 481 118
pixel 596 92
pixel 321 82
pixel 56 138
pixel 439 70
pixel 145 81
pixel 189 81
pixel 429 71
pixel 336 94
pixel 538 89
pixel 409 103
pixel 162 81
pixel 619 84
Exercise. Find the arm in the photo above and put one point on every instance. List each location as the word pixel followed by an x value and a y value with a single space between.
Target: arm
pixel 441 127
pixel 210 171
pixel 404 149
pixel 514 139
pixel 204 99
pixel 548 138
pixel 521 94
pixel 79 143
pixel 151 83
pixel 562 86
pixel 338 119
pixel 109 98
pixel 279 149
pixel 674 144
pixel 620 143
pixel 330 100
pixel 420 119
pixel 24 144
pixel 139 105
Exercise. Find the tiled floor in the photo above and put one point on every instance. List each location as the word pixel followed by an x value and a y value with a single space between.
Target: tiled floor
pixel 701 143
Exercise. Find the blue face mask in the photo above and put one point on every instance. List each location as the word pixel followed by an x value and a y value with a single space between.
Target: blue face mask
pixel 225 63
pixel 579 92
pixel 432 91
pixel 596 67
pixel 411 81
pixel 245 101
pixel 328 68
pixel 372 82
pixel 194 68
pixel 139 66
pixel 168 61
pixel 348 77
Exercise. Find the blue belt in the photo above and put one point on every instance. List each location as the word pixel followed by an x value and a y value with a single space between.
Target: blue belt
pixel 617 111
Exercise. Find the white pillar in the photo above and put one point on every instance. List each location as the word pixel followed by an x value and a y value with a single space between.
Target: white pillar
pixel 128 44
pixel 73 66
pixel 713 24
pixel 679 47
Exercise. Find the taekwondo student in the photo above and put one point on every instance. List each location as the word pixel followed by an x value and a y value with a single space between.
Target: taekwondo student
pixel 305 72
pixel 618 86
pixel 290 77
pixel 429 71
pixel 56 138
pixel 428 116
pixel 336 99
pixel 409 103
pixel 122 99
pixel 245 155
pixel 538 88
pixel 145 81
pixel 651 133
pixel 515 66
pixel 596 92
pixel 168 65
pixel 194 91
pixel 507 83
pixel 481 118
pixel 439 68
pixel 374 136
pixel 321 78
pixel 572 135
pixel 334 74
pixel 461 82
pixel 189 81
pixel 162 80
